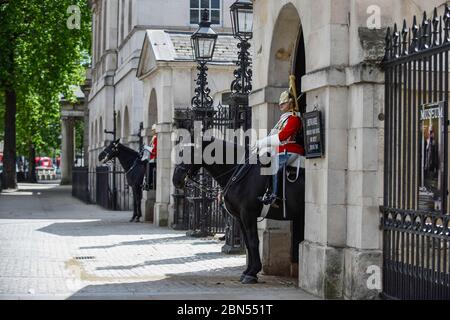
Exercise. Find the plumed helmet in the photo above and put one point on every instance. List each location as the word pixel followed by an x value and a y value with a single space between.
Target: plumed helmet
pixel 154 126
pixel 285 97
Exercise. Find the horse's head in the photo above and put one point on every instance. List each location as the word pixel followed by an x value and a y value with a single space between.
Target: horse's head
pixel 209 152
pixel 110 152
pixel 187 168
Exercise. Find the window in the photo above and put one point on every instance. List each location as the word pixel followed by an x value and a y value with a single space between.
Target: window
pixel 198 5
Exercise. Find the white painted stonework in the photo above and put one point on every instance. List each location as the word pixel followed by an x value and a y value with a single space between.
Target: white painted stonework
pixel 143 68
pixel 343 79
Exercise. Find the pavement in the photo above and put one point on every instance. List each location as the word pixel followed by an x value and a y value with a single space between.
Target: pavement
pixel 53 246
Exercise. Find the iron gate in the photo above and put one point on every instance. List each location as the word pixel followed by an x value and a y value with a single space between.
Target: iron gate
pixel 199 212
pixel 80 183
pixel 416 221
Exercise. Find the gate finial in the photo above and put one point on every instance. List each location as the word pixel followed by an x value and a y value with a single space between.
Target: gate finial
pixel 388 50
pixel 395 39
pixel 436 28
pixel 405 31
pixel 425 34
pixel 447 23
pixel 414 31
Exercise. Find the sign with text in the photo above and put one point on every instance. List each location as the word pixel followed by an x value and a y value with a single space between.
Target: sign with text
pixel 314 145
pixel 431 156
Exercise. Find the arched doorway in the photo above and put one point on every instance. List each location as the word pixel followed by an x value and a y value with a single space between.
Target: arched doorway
pixel 126 124
pixel 96 133
pixel 118 126
pixel 152 116
pixel 100 132
pixel 287 57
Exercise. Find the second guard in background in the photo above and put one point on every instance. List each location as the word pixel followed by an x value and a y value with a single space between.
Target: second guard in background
pixel 149 155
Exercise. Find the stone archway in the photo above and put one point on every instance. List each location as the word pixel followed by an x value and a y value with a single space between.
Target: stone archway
pixel 96 133
pixel 287 56
pixel 126 124
pixel 100 131
pixel 152 114
pixel 118 125
pixel 285 39
pixel 149 197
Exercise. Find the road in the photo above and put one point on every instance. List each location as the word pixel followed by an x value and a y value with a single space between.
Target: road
pixel 53 246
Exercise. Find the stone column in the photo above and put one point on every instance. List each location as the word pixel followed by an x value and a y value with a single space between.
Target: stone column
pixel 365 182
pixel 67 150
pixel 363 255
pixel 86 88
pixel 321 255
pixel 163 174
pixel 275 236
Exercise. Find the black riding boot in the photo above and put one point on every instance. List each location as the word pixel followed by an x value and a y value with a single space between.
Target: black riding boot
pixel 146 184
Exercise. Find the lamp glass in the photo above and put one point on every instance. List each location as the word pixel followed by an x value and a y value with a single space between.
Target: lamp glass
pixel 245 21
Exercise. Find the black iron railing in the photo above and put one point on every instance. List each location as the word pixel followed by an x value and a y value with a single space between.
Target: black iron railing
pixel 80 183
pixel 96 187
pixel 415 222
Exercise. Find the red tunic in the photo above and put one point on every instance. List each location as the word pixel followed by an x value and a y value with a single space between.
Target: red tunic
pixel 153 144
pixel 287 134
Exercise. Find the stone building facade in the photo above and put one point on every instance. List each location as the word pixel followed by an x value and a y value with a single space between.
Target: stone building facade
pixel 340 44
pixel 122 29
pixel 334 47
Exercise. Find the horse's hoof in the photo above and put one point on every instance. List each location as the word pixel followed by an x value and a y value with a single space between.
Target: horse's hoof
pixel 242 277
pixel 137 220
pixel 249 280
pixel 132 219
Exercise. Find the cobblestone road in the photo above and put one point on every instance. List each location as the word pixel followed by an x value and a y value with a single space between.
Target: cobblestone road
pixel 53 246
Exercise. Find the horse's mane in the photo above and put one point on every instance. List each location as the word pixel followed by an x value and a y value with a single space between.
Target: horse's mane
pixel 125 148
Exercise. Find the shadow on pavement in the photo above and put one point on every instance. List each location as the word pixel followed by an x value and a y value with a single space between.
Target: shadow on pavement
pixel 106 228
pixel 177 260
pixel 198 285
pixel 178 237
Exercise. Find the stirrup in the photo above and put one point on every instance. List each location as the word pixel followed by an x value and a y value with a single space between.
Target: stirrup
pixel 268 198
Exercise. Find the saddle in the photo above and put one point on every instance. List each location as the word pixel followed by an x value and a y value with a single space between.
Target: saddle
pixel 290 172
pixel 293 166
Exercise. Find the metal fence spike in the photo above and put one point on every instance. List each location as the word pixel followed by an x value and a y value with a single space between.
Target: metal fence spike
pixel 414 30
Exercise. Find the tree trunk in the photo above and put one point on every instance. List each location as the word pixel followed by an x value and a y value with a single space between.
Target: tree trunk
pixel 32 164
pixel 9 150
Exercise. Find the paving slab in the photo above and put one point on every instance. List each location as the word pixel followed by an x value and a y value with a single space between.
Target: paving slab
pixel 53 246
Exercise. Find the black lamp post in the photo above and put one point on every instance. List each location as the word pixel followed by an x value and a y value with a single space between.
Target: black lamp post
pixel 242 23
pixel 203 44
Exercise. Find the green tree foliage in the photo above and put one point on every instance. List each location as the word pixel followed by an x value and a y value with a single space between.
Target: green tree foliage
pixel 44 52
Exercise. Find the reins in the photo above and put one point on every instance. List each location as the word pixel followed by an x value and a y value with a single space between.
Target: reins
pixel 213 191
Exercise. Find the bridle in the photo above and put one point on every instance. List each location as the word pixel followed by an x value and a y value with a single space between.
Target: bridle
pixel 113 150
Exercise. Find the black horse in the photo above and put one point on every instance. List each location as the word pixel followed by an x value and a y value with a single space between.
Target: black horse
pixel 134 168
pixel 241 185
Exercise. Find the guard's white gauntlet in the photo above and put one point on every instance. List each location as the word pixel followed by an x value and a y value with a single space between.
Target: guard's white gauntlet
pixel 146 153
pixel 269 141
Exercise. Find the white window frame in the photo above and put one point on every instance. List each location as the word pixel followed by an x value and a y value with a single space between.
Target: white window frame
pixel 199 8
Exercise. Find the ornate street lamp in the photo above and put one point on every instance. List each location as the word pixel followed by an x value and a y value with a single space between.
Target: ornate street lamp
pixel 242 22
pixel 204 39
pixel 203 44
pixel 242 19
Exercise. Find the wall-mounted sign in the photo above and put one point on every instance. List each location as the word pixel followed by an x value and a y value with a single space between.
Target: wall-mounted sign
pixel 431 156
pixel 314 144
